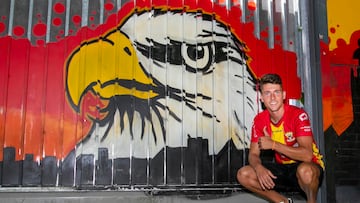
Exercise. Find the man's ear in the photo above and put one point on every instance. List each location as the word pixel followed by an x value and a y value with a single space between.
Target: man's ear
pixel 261 99
pixel 284 95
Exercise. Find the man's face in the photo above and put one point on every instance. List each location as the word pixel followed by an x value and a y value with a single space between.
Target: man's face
pixel 273 96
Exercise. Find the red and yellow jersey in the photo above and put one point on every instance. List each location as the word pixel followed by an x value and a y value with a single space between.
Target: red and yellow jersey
pixel 293 124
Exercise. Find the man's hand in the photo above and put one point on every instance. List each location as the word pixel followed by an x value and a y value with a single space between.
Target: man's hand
pixel 265 142
pixel 265 177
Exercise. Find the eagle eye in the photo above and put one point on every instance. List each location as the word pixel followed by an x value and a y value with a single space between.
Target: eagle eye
pixel 198 56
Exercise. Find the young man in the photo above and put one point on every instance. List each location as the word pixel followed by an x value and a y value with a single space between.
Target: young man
pixel 286 130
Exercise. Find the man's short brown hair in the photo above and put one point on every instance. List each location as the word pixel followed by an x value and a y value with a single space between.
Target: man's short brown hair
pixel 271 78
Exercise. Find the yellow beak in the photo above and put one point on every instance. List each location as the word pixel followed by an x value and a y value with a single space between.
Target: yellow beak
pixel 108 67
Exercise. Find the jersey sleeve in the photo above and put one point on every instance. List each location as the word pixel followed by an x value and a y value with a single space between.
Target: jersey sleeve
pixel 302 122
pixel 257 128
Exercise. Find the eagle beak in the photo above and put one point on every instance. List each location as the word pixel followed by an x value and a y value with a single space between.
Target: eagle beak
pixel 109 67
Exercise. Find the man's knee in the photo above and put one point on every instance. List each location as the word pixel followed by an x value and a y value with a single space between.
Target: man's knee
pixel 307 173
pixel 243 174
pixel 240 174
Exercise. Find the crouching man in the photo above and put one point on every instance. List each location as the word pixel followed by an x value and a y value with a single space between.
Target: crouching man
pixel 286 130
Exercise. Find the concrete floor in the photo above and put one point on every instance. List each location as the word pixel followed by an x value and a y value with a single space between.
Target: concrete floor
pixel 131 197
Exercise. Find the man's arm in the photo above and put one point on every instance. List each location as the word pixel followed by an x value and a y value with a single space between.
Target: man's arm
pixel 303 152
pixel 265 177
pixel 254 155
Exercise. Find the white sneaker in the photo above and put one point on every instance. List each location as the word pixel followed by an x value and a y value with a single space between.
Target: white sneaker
pixel 289 201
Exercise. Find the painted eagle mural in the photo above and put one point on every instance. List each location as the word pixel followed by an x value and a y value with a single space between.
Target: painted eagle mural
pixel 159 78
pixel 157 94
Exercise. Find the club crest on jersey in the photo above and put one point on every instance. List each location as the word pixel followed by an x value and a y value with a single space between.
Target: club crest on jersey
pixel 289 137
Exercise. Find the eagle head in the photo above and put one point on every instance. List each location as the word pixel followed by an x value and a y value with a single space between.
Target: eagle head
pixel 160 78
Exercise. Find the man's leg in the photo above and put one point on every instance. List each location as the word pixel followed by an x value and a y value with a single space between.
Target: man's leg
pixel 308 178
pixel 247 177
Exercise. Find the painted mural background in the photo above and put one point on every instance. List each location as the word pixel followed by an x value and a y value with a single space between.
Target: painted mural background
pixel 136 93
pixel 344 58
pixel 341 100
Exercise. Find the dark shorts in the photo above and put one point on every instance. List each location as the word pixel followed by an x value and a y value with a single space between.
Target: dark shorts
pixel 286 176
